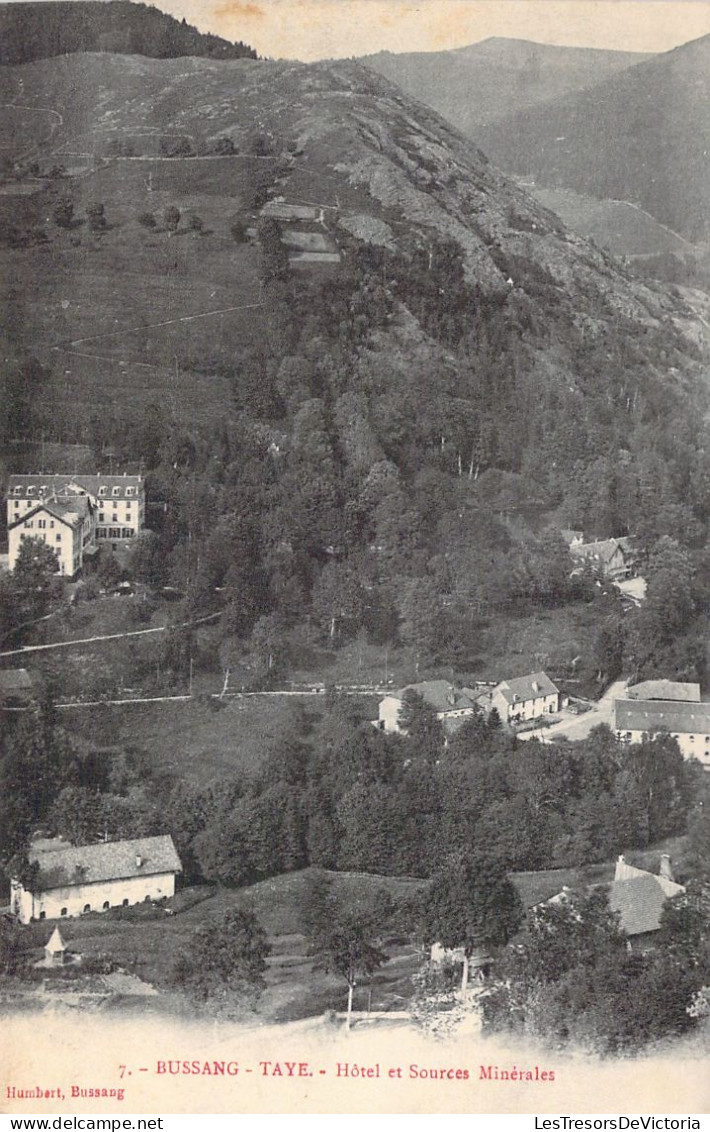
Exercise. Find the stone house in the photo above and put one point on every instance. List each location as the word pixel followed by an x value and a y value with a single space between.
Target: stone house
pixel 73 880
pixel 452 705
pixel 525 698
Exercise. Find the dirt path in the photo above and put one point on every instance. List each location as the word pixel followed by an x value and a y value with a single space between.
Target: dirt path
pixel 579 726
pixel 108 637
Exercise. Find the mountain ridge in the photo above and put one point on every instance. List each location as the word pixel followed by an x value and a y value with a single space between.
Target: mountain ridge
pixel 642 135
pixel 486 81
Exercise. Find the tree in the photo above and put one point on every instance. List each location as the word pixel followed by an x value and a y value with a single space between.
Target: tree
pixel 238 230
pixel 225 962
pixel 260 144
pixel 64 212
pixel 171 218
pixel 337 599
pixel 96 215
pixel 33 578
pixel 10 946
pixel 473 905
pixel 422 725
pixel 225 146
pixel 342 939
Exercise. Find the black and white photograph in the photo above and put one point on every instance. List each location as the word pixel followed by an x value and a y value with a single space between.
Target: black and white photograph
pixel 355 556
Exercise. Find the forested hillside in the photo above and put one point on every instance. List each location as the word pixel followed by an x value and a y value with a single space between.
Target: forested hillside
pixel 641 136
pixel 39 31
pixel 373 443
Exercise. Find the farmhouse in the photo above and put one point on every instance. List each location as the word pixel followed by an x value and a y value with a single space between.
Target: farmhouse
pixel 639 897
pixel 118 501
pixel 70 880
pixel 687 722
pixel 526 697
pixel 17 688
pixel 450 704
pixel 606 557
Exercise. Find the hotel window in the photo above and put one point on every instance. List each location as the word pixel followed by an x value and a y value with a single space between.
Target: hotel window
pixel 51 522
pixel 106 905
pixel 17 491
pixel 114 518
pixel 30 490
pixel 116 491
pixel 29 523
pixel 43 915
pixel 41 523
pixel 17 504
pixel 63 912
pixel 130 490
pixel 103 490
pixel 87 908
pixel 58 536
pixel 102 516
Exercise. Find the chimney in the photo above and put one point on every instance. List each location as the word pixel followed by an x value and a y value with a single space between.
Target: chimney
pixel 666 869
pixel 139 860
pixel 535 686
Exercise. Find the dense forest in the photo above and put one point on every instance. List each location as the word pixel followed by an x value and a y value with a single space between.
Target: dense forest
pixel 338 794
pixel 408 480
pixel 40 31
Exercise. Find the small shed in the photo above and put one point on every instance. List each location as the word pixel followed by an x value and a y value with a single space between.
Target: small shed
pixel 55 950
pixel 16 688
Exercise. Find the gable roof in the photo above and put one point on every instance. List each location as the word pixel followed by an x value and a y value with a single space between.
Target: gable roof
pixel 62 865
pixel 15 680
pixel 603 550
pixel 67 511
pixel 439 694
pixel 524 688
pixel 664 690
pixel 640 901
pixel 685 718
pixel 637 895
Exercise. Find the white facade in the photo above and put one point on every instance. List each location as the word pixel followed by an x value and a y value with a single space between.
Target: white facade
pixel 688 722
pixel 67 535
pixel 79 899
pixel 118 500
pixel 692 745
pixel 72 880
pixel 521 710
pixel 391 706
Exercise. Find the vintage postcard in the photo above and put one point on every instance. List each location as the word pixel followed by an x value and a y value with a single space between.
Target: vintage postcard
pixel 354 598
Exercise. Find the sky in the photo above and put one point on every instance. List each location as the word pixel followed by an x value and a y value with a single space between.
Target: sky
pixel 317 29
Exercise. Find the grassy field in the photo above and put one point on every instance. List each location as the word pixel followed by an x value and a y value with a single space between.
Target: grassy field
pixel 197 741
pixel 149 946
pixel 147 943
